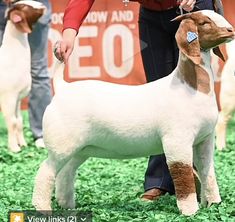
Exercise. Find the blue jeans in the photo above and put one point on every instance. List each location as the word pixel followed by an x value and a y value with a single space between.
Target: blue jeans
pixel 1 35
pixel 40 94
pixel 160 58
pixel 2 20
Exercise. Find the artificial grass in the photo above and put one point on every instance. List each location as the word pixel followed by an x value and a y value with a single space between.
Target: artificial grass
pixel 110 188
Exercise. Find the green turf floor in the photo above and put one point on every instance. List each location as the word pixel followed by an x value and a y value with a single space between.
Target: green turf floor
pixel 110 188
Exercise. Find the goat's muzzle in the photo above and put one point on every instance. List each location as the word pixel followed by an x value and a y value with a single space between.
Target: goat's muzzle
pixel 229 34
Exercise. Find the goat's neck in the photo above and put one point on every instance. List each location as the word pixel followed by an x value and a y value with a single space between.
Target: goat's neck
pixel 199 77
pixel 13 37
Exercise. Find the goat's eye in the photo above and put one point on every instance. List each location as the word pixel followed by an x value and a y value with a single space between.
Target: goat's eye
pixel 203 23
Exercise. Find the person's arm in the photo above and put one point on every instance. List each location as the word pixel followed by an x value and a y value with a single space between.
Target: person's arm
pixel 75 12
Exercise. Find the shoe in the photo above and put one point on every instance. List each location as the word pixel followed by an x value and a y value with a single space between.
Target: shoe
pixel 153 194
pixel 39 143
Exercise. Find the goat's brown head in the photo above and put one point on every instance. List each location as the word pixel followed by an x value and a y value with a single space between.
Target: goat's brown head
pixel 25 13
pixel 202 30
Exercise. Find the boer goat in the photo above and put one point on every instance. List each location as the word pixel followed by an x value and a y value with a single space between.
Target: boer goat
pixel 175 115
pixel 15 77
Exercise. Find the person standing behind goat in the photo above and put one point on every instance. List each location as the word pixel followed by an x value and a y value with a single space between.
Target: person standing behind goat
pixel 40 94
pixel 160 57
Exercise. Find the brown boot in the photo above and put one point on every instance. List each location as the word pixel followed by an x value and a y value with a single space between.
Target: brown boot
pixel 152 194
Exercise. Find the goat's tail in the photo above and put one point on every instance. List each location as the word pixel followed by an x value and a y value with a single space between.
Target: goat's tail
pixel 58 75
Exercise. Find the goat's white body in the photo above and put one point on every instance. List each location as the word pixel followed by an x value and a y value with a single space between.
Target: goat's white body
pixel 119 121
pixel 227 96
pixel 15 81
pixel 99 119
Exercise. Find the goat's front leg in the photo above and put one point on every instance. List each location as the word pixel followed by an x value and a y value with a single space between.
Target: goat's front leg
pixel 179 160
pixel 65 182
pixel 204 162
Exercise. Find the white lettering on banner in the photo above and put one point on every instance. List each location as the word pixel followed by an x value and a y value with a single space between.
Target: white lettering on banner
pixel 122 16
pixel 96 17
pixel 102 16
pixel 57 18
pixel 75 70
pixel 127 51
pixel 83 51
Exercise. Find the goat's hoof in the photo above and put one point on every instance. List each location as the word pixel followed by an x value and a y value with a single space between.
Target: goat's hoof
pixel 15 149
pixel 44 210
pixel 210 201
pixel 217 201
pixel 41 206
pixel 189 211
pixel 220 145
pixel 188 206
pixel 66 204
pixel 22 143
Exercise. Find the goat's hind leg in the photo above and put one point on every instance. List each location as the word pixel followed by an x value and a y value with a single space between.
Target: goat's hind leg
pixel 9 110
pixel 65 182
pixel 45 182
pixel 221 128
pixel 179 160
pixel 204 162
pixel 20 132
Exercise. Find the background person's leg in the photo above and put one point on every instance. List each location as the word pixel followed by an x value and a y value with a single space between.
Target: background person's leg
pixel 1 36
pixel 157 175
pixel 2 20
pixel 40 94
pixel 160 57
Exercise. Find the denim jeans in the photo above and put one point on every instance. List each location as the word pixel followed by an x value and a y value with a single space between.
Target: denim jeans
pixel 40 94
pixel 2 20
pixel 1 35
pixel 160 58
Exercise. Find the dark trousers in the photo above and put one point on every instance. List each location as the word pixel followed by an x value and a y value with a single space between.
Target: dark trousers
pixel 160 56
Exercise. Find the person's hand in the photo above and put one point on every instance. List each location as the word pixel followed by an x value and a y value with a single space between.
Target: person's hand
pixel 187 5
pixel 64 48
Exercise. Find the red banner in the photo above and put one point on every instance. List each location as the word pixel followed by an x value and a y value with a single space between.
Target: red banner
pixel 107 46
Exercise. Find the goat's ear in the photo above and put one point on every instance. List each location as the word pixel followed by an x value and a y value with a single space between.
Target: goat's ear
pixel 15 17
pixel 187 40
pixel 218 52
